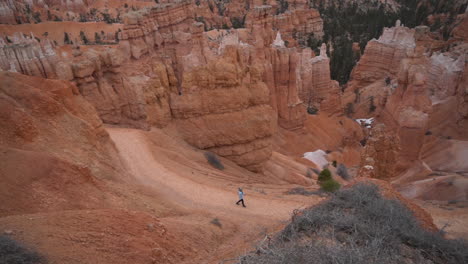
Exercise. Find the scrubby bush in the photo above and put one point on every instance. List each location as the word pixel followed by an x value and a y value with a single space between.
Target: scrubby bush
pixel 107 18
pixel 388 81
pixel 363 142
pixel 216 222
pixel 334 163
pixel 117 35
pixel 312 110
pixel 330 185
pixel 349 109
pixel 343 171
pixel 83 18
pixel 372 106
pixel 213 160
pixel 84 38
pixel 358 225
pixel 238 22
pixel 324 175
pixel 97 38
pixel 37 17
pixel 326 182
pixel 12 252
pixel 309 173
pixel 282 6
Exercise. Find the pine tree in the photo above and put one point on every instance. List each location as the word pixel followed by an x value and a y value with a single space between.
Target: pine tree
pixel 97 38
pixel 84 38
pixel 66 38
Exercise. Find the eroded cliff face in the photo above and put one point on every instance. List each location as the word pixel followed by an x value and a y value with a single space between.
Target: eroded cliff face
pixel 374 76
pixel 317 89
pixel 426 102
pixel 7 12
pixel 36 110
pixel 226 90
pixel 24 54
pixel 379 156
pixel 421 100
pixel 29 11
pixel 382 57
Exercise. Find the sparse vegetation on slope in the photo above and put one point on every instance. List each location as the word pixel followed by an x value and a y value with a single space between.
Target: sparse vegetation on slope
pixel 327 182
pixel 343 171
pixel 330 185
pixel 358 225
pixel 213 160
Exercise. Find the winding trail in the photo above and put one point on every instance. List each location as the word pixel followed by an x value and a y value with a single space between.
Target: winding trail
pixel 177 182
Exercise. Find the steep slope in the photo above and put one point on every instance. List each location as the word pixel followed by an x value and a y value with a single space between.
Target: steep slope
pixel 75 197
pixel 417 95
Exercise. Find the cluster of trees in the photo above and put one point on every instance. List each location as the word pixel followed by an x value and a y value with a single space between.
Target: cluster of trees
pixel 282 6
pixel 326 181
pixel 51 17
pixel 99 38
pixel 238 22
pixel 93 15
pixel 30 15
pixel 345 23
pixel 414 12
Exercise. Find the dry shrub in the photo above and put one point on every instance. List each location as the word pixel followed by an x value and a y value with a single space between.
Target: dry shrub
pixel 358 225
pixel 213 160
pixel 12 252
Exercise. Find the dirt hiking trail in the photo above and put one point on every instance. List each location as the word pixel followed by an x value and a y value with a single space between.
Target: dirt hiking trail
pixel 185 181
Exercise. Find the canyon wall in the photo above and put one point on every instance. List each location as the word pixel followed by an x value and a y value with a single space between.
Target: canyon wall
pixel 43 117
pixel 225 90
pixel 427 103
pixel 30 11
pixel 380 153
pixel 24 54
pixel 374 76
pixel 420 95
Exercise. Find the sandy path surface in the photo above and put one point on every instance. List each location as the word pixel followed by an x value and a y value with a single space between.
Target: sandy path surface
pixel 163 209
pixel 179 183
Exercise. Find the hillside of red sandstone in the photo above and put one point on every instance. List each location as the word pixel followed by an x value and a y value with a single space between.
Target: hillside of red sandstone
pixel 102 145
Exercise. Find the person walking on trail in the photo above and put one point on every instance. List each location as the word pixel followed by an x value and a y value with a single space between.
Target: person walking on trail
pixel 241 197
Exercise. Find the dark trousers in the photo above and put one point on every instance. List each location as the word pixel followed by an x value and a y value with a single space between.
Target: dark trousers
pixel 241 200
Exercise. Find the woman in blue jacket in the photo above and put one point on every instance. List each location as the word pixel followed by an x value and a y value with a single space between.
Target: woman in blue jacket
pixel 241 197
